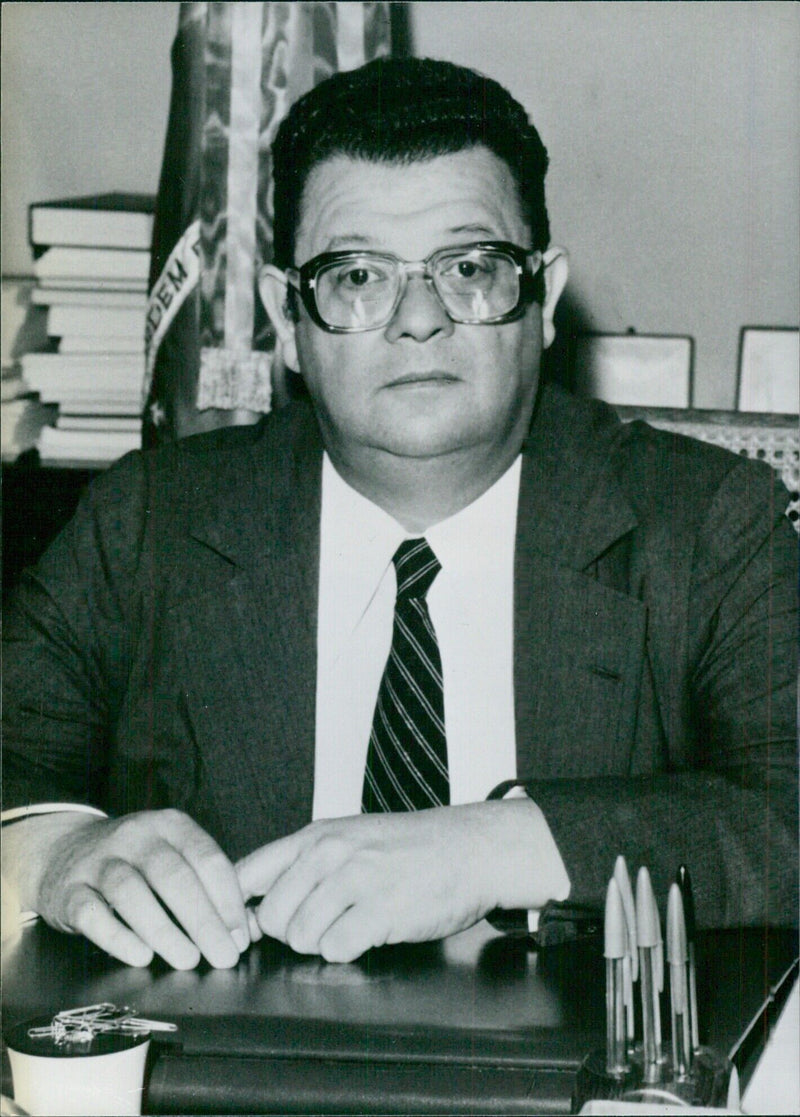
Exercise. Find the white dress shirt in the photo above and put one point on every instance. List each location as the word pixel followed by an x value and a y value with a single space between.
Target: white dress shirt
pixel 471 607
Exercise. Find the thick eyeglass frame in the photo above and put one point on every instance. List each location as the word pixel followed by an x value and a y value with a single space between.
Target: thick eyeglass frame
pixel 304 279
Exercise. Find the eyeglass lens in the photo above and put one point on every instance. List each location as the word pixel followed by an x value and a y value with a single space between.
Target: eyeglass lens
pixel 362 292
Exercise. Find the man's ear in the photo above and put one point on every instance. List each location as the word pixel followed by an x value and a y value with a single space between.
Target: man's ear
pixel 274 290
pixel 556 270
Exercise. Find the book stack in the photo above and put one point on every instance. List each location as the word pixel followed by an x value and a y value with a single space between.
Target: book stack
pixel 92 258
pixel 22 415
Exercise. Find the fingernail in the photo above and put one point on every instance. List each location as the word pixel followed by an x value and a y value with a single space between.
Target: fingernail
pixel 187 959
pixel 241 938
pixel 223 957
pixel 141 957
pixel 255 931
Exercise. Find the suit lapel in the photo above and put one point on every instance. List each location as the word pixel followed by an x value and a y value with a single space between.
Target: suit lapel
pixel 577 643
pixel 253 642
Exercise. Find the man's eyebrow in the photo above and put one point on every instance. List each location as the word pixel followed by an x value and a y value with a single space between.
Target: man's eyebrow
pixel 473 227
pixel 358 240
pixel 346 240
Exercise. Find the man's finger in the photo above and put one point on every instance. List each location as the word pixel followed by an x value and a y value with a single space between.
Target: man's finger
pixel 218 877
pixel 131 897
pixel 178 886
pixel 255 931
pixel 259 870
pixel 354 932
pixel 90 916
pixel 317 912
pixel 314 867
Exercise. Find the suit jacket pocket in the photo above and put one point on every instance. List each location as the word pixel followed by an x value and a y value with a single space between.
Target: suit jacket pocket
pixel 579 650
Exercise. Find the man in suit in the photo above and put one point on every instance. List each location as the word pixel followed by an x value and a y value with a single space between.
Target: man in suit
pixel 218 649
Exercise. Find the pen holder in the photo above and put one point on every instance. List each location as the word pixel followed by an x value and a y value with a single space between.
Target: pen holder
pixel 104 1075
pixel 705 1085
pixel 594 1082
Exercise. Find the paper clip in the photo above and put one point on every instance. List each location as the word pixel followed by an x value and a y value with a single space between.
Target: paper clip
pixel 81 1025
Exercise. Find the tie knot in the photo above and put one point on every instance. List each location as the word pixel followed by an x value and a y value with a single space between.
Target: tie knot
pixel 416 567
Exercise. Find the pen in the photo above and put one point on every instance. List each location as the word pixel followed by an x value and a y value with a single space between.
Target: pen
pixel 615 938
pixel 678 957
pixel 734 1101
pixel 658 972
pixel 685 884
pixel 648 934
pixel 631 963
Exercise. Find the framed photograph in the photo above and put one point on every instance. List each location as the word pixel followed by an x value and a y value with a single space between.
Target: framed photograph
pixel 643 370
pixel 769 370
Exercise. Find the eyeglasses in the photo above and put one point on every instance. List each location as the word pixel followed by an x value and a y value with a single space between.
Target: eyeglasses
pixel 477 284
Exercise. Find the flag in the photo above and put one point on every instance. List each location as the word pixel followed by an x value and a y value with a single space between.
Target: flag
pixel 237 67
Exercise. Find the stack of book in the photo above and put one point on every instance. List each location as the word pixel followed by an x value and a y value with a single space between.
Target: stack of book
pixel 92 258
pixel 22 328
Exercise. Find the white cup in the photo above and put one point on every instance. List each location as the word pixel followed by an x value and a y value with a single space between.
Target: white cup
pixel 78 1080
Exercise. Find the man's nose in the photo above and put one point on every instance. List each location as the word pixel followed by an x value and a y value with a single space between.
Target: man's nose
pixel 420 314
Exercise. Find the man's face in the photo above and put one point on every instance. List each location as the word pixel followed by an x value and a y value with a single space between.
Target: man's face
pixel 423 386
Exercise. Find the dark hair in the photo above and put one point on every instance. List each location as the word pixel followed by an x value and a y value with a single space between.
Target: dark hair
pixel 403 111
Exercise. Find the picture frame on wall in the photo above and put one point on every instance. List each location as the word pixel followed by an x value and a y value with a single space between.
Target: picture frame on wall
pixel 768 375
pixel 642 370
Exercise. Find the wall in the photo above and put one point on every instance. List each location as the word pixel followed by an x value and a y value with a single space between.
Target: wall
pixel 674 134
pixel 673 129
pixel 85 94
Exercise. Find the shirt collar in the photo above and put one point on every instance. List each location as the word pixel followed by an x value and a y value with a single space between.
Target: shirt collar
pixel 478 538
pixel 359 538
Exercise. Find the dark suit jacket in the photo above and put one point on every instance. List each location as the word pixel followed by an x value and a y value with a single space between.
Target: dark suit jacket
pixel 163 651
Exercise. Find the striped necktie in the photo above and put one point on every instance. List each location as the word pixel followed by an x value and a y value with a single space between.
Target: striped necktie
pixel 407 756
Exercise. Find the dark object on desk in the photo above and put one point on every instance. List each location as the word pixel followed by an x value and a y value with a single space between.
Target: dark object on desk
pixel 559 923
pixel 562 923
pixel 479 1024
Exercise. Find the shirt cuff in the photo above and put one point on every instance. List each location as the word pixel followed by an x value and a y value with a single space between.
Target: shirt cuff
pixel 515 789
pixel 16 814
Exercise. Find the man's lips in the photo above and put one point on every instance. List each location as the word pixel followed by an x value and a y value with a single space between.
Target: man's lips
pixel 410 379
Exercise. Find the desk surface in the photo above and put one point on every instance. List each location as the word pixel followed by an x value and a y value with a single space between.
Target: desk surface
pixel 478 1024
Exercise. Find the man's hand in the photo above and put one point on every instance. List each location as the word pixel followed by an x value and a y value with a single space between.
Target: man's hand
pixel 341 886
pixel 108 879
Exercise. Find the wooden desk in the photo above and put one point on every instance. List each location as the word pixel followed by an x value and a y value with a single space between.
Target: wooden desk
pixel 478 1024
